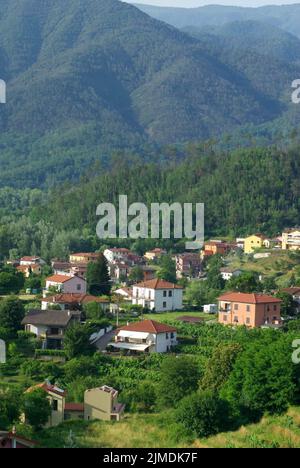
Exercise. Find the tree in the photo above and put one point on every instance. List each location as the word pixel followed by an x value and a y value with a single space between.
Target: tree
pixel 199 293
pixel 11 315
pixel 203 414
pixel 179 376
pixel 247 282
pixel 98 278
pixel 167 269
pixel 36 407
pixel 77 341
pixel 136 274
pixel 219 367
pixel 262 379
pixel 9 408
pixel 287 306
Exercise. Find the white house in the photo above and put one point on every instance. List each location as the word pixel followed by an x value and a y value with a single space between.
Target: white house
pixel 32 261
pixel 67 284
pixel 146 336
pixel 116 254
pixel 158 295
pixel 228 273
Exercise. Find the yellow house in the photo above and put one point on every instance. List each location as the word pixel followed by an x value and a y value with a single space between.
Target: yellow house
pixel 57 401
pixel 256 241
pixel 102 403
pixel 291 239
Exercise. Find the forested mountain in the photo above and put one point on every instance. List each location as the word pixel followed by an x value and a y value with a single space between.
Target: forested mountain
pixel 259 37
pixel 286 17
pixel 85 77
pixel 244 191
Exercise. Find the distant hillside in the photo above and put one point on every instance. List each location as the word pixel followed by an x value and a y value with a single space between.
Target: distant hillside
pixel 286 17
pixel 86 77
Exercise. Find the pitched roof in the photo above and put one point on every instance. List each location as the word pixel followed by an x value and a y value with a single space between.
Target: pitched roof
pixel 74 407
pixel 149 326
pixel 252 298
pixel 59 318
pixel 73 298
pixel 60 278
pixel 293 290
pixel 47 387
pixel 86 254
pixel 157 284
pixel 29 259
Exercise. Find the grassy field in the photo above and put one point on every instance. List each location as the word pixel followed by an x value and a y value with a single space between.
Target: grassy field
pixel 279 264
pixel 174 315
pixel 149 431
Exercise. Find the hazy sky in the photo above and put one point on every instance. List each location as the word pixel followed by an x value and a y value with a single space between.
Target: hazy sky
pixel 195 3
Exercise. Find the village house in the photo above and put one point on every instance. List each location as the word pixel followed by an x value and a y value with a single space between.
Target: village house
pixel 228 273
pixel 83 257
pixel 124 293
pixel 102 404
pixel 71 284
pixel 216 247
pixel 99 404
pixel 154 254
pixel 291 239
pixel 294 291
pixel 188 265
pixel 57 400
pixel 50 325
pixel 117 254
pixel 145 336
pixel 256 241
pixel 252 310
pixel 32 261
pixel 158 295
pixel 73 301
pixel 28 270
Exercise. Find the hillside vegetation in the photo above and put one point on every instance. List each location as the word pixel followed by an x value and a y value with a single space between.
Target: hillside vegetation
pixel 147 431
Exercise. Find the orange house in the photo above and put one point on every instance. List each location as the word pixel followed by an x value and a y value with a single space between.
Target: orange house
pixel 216 247
pixel 252 310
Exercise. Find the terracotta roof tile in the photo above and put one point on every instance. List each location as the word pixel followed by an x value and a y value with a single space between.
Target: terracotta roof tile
pixel 252 298
pixel 157 284
pixel 149 326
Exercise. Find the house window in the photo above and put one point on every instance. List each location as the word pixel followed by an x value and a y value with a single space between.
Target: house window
pixel 236 319
pixel 248 308
pixel 275 307
pixel 248 320
pixel 236 307
pixel 165 293
pixel 172 336
pixel 170 293
pixel 164 305
pixel 167 336
pixel 78 287
pixel 225 318
pixel 54 405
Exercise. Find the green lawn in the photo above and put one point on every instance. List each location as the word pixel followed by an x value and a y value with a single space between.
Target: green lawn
pixel 173 315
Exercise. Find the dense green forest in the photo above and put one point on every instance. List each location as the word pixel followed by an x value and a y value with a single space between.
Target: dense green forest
pixel 254 189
